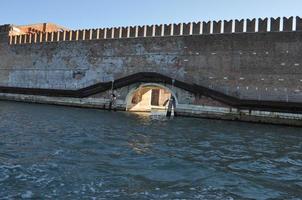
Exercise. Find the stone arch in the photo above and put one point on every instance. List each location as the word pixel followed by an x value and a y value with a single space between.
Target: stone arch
pixel 131 93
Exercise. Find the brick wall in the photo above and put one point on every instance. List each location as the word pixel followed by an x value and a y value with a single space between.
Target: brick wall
pixel 264 66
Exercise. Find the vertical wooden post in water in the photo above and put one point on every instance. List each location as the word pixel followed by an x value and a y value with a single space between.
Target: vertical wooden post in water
pixel 171 105
pixel 112 98
pixel 169 111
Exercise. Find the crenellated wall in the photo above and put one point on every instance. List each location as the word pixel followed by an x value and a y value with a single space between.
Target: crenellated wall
pixel 199 28
pixel 253 60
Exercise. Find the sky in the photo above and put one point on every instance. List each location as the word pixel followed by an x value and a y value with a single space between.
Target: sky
pixel 80 14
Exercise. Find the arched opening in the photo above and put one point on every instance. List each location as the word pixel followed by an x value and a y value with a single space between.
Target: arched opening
pixel 149 97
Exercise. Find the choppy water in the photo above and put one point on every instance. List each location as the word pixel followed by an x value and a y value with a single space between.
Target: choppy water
pixel 49 152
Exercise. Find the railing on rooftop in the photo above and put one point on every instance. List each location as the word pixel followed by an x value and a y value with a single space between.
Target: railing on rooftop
pixel 182 29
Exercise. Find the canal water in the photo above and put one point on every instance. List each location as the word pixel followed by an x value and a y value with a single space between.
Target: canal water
pixel 52 152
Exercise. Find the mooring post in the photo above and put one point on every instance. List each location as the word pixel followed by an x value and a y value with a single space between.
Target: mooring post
pixel 172 103
pixel 112 97
pixel 174 106
pixel 169 111
pixel 173 98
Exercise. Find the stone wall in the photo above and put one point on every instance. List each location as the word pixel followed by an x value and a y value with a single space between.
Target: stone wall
pixel 260 66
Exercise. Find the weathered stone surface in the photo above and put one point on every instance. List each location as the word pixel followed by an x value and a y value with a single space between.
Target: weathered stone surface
pixel 228 26
pixel 239 26
pixel 217 27
pixel 249 66
pixel 288 24
pixel 275 24
pixel 251 25
pixel 262 25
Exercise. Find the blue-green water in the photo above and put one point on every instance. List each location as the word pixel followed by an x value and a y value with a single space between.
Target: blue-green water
pixel 50 152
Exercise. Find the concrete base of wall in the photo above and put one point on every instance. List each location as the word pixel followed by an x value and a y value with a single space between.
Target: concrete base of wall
pixel 234 114
pixel 182 109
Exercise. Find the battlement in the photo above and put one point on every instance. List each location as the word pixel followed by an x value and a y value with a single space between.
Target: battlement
pixel 182 29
